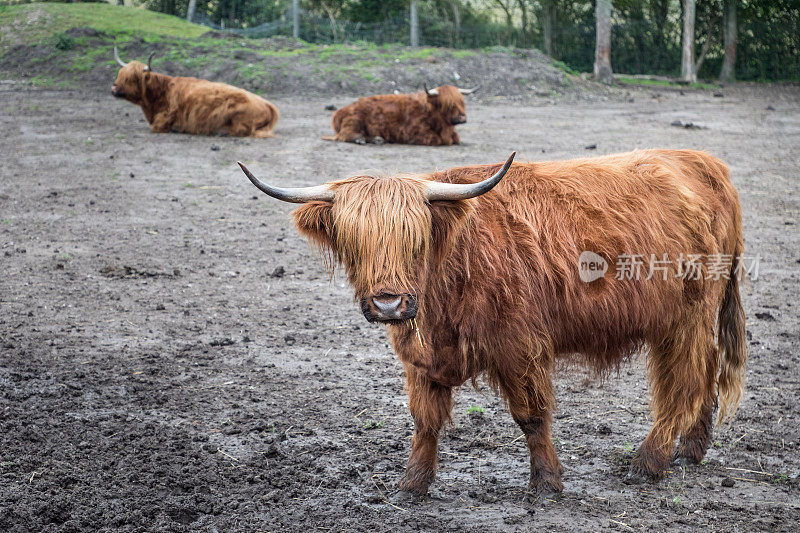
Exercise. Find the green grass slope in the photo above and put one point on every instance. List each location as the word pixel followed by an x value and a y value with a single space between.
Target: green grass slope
pixel 37 22
pixel 71 46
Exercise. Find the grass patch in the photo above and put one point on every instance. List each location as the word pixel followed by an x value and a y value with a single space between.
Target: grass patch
pixel 648 82
pixel 566 69
pixel 36 22
pixel 372 424
pixel 475 409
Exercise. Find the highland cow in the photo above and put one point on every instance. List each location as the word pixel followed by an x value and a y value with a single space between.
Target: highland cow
pixel 427 118
pixel 191 105
pixel 475 283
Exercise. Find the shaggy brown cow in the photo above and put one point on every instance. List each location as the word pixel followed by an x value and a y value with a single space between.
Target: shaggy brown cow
pixel 490 285
pixel 427 117
pixel 191 105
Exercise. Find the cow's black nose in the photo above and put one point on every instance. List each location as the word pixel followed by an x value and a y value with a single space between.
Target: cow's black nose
pixel 389 307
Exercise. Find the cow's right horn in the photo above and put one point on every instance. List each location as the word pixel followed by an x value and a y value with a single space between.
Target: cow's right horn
pixel 434 92
pixel 463 191
pixel 116 56
pixel 296 195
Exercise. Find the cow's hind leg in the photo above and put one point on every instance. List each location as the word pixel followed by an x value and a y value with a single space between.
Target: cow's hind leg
pixel 679 369
pixel 530 399
pixel 430 404
pixel 695 441
pixel 351 130
pixel 263 133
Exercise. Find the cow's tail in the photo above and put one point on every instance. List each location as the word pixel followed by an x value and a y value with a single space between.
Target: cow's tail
pixel 732 343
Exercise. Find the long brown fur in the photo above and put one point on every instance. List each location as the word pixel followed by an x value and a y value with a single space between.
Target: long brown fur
pixel 192 105
pixel 416 118
pixel 499 293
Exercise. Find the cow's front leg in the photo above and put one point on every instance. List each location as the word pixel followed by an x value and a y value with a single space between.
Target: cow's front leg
pixel 430 404
pixel 530 400
pixel 545 467
pixel 162 123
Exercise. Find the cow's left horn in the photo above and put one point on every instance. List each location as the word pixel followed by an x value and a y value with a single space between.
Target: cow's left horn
pixel 116 56
pixel 296 195
pixel 434 92
pixel 459 191
pixel 149 59
pixel 468 91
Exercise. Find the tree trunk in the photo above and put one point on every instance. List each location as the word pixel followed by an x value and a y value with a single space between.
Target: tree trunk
pixel 712 25
pixel 602 55
pixel 549 16
pixel 296 19
pixel 524 21
pixel 456 22
pixel 190 10
pixel 728 72
pixel 414 21
pixel 688 73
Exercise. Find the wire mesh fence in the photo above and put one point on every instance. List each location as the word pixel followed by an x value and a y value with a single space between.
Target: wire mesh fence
pixel 636 46
pixel 325 30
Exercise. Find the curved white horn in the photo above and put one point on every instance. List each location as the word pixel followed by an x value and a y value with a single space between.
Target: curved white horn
pixel 149 59
pixel 296 195
pixel 468 91
pixel 433 92
pixel 463 191
pixel 116 56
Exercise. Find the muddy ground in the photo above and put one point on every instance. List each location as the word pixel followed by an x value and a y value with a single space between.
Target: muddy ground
pixel 175 358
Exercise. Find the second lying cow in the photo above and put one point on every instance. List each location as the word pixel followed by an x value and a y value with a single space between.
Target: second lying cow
pixel 192 105
pixel 427 118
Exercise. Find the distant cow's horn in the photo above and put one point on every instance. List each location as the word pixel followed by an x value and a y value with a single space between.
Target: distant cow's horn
pixel 434 92
pixel 296 195
pixel 116 56
pixel 459 191
pixel 149 59
pixel 468 91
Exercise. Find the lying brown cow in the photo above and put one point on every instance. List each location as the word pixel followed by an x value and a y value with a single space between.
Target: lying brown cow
pixel 191 105
pixel 474 283
pixel 427 117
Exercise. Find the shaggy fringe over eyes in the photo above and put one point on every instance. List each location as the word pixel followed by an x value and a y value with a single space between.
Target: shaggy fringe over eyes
pixel 378 228
pixel 131 78
pixel 378 240
pixel 450 100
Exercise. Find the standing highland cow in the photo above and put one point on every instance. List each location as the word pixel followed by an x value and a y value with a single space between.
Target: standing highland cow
pixel 191 105
pixel 428 118
pixel 474 283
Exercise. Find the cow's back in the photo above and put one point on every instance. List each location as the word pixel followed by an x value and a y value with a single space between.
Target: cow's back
pixel 394 117
pixel 521 252
pixel 210 107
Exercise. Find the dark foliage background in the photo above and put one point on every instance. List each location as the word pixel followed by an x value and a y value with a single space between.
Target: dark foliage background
pixel 646 34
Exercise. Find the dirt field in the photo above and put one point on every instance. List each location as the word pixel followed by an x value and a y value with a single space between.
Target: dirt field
pixel 174 357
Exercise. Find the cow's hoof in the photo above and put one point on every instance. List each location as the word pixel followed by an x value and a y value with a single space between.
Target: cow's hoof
pixel 544 490
pixel 360 140
pixel 378 140
pixel 414 486
pixel 636 477
pixel 408 496
pixel 682 460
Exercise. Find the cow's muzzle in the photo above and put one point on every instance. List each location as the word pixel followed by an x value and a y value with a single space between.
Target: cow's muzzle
pixel 389 307
pixel 459 119
pixel 117 91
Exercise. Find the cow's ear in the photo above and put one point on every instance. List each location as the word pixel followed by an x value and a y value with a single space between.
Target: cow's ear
pixel 314 220
pixel 448 220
